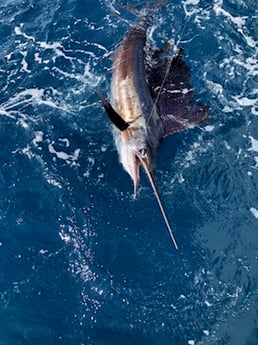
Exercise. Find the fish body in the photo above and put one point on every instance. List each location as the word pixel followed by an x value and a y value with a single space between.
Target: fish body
pixel 132 100
pixel 148 102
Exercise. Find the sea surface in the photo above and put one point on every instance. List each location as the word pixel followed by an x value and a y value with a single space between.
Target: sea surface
pixel 83 262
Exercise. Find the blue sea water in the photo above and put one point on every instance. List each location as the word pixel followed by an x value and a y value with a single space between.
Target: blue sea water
pixel 81 261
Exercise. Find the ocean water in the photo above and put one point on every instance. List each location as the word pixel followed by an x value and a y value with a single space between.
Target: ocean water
pixel 81 261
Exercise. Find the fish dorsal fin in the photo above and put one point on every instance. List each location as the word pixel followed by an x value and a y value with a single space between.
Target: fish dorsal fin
pixel 169 80
pixel 115 118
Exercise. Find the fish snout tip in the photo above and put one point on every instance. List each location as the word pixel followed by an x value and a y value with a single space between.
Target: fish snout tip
pixel 131 165
pixel 135 187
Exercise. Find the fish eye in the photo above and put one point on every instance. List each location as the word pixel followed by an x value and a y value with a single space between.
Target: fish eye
pixel 142 152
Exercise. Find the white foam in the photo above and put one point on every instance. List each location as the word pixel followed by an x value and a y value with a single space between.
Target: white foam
pixel 216 88
pixel 190 7
pixel 25 66
pixel 57 48
pixel 43 251
pixel 59 154
pixel 103 148
pixel 196 150
pixel 254 144
pixel 37 58
pixel 87 77
pixel 182 297
pixel 76 154
pixel 53 46
pixel 63 155
pixel 239 22
pixel 3 112
pixel 38 137
pixel 227 109
pixel 64 237
pixel 23 97
pixel 209 128
pixel 33 95
pixel 53 182
pixel 19 32
pixel 227 146
pixel 254 212
pixel 244 101
pixel 191 342
pixel 254 111
pixel 111 8
pixel 101 47
pixel 27 152
pixel 208 304
pixel 192 2
pixel 65 141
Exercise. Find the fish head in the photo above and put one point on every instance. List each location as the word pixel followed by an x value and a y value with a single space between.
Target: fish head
pixel 133 159
pixel 142 158
pixel 135 152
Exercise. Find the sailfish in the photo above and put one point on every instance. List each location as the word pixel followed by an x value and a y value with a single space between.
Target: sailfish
pixel 151 97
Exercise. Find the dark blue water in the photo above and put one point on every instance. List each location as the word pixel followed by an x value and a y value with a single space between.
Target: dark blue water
pixel 81 262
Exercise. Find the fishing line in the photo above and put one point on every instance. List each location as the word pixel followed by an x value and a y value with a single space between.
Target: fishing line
pixel 170 60
pixel 116 7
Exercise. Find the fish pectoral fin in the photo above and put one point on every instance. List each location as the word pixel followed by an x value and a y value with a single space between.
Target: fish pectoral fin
pixel 115 118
